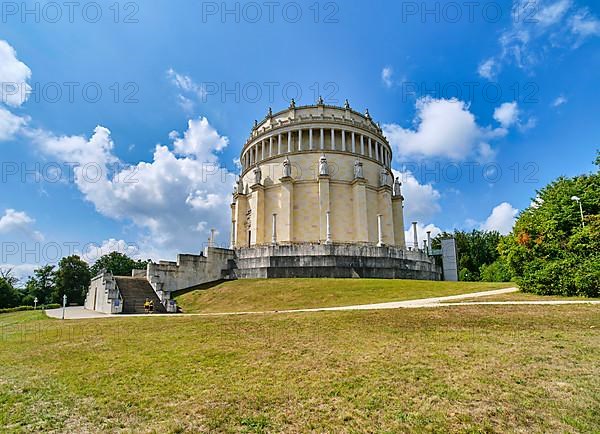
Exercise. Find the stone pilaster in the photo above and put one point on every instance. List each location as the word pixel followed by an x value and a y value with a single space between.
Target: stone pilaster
pixel 285 217
pixel 359 193
pixel 386 211
pixel 398 215
pixel 241 210
pixel 257 218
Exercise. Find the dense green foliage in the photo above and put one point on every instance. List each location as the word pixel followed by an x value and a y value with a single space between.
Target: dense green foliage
pixel 497 271
pixel 72 279
pixel 477 251
pixel 41 285
pixel 549 251
pixel 118 264
pixel 9 296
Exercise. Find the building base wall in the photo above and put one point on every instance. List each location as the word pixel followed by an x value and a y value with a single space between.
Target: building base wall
pixel 334 261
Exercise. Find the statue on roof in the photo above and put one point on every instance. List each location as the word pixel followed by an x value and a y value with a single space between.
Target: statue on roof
pixel 293 103
pixel 320 100
pixel 397 187
pixel 346 105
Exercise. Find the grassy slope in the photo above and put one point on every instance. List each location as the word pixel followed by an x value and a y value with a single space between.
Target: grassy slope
pixel 465 369
pixel 279 294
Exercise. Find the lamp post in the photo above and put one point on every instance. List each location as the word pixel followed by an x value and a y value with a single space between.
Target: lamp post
pixel 35 300
pixel 578 200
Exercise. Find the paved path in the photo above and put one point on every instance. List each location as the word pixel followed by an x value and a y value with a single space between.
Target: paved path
pixel 81 313
pixel 76 312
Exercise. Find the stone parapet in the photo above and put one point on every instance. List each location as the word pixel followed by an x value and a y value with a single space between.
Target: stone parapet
pixel 334 261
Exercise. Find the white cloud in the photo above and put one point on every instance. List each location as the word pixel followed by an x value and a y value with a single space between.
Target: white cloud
pixel 19 223
pixel 583 24
pixel 94 252
pixel 443 128
pixel 560 100
pixel 538 28
pixel 386 76
pixel 421 201
pixel 14 74
pixel 502 219
pixel 181 189
pixel 200 140
pixel 488 69
pixel 188 87
pixel 507 114
pixel 10 124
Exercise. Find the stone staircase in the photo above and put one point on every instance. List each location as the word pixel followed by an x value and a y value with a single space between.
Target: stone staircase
pixel 135 291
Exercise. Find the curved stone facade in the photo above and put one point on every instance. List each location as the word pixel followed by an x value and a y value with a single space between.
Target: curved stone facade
pixel 317 174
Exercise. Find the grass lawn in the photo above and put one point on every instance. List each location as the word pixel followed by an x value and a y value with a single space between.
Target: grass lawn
pixel 523 296
pixel 280 294
pixel 455 369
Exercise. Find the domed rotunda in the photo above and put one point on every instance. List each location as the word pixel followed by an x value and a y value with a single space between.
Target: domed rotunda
pixel 317 198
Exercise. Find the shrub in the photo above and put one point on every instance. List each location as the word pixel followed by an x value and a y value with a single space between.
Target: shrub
pixel 497 271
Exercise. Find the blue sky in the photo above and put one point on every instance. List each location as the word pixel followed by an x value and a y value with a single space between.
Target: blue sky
pixel 482 106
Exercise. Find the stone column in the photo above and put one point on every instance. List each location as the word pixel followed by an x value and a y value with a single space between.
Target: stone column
pixel 279 144
pixel 232 240
pixel 322 139
pixel 370 148
pixel 310 139
pixel 328 235
pixel 379 231
pixel 344 140
pixel 324 205
pixel 353 143
pixel 332 139
pixel 300 139
pixel 271 146
pixel 377 151
pixel 415 236
pixel 362 144
pixel 274 230
pixel 289 141
pixel 429 250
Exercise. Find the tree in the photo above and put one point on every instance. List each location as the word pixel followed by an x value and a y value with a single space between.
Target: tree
pixel 9 296
pixel 7 274
pixel 41 285
pixel 72 279
pixel 118 264
pixel 549 251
